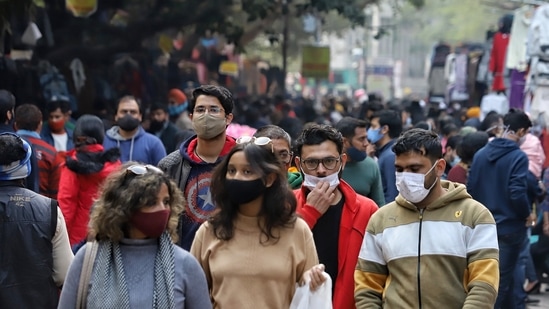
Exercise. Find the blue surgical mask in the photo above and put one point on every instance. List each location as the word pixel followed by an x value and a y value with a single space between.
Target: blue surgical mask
pixel 374 135
pixel 356 155
pixel 176 110
pixel 455 161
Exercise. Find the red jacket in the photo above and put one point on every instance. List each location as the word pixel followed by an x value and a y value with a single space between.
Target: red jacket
pixel 81 176
pixel 357 211
pixel 497 60
pixel 49 166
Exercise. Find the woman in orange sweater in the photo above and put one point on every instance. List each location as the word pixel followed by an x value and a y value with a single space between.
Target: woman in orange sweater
pixel 254 249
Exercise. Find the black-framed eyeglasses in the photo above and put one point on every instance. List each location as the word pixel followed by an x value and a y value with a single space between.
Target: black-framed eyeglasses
pixel 138 169
pixel 329 163
pixel 259 141
pixel 212 110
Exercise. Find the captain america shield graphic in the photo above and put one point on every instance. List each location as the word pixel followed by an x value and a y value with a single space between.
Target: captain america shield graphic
pixel 199 198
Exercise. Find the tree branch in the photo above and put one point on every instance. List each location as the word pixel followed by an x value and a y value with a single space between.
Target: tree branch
pixel 130 38
pixel 253 30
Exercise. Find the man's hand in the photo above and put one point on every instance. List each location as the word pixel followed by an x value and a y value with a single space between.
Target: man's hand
pixel 531 220
pixel 321 197
pixel 371 150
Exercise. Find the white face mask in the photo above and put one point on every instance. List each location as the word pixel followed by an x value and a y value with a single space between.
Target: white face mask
pixel 412 185
pixel 310 181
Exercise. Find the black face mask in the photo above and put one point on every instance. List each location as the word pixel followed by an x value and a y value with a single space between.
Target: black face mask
pixel 244 191
pixel 128 123
pixel 156 126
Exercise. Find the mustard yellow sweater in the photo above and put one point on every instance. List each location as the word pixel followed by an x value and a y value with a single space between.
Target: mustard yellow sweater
pixel 243 273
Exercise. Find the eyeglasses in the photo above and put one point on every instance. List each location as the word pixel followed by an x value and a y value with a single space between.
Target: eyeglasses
pixel 212 110
pixel 285 156
pixel 139 170
pixel 329 163
pixel 259 141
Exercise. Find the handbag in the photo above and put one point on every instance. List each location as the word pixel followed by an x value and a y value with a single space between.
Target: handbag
pixel 304 298
pixel 85 275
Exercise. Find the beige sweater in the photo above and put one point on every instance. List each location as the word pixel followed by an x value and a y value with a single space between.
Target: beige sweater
pixel 243 273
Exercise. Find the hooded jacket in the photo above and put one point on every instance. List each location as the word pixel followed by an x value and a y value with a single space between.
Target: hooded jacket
pixel 193 178
pixel 357 211
pixel 142 147
pixel 47 136
pixel 498 180
pixel 81 176
pixel 443 256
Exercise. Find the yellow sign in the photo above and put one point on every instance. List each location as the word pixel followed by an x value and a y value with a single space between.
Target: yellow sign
pixel 81 8
pixel 315 62
pixel 165 43
pixel 228 68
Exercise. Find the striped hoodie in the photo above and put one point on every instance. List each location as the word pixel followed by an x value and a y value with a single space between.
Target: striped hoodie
pixel 444 256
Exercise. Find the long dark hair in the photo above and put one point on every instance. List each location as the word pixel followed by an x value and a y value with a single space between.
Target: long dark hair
pixel 279 202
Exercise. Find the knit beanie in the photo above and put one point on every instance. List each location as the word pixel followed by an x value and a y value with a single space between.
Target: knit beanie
pixel 473 112
pixel 467 130
pixel 178 96
pixel 17 169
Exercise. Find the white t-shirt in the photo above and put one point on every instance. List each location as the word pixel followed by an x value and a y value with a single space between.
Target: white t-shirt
pixel 60 141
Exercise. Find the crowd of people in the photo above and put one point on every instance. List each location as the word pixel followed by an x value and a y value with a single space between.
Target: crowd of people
pixel 398 204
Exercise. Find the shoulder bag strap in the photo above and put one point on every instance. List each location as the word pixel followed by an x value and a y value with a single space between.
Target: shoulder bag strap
pixel 53 204
pixel 85 275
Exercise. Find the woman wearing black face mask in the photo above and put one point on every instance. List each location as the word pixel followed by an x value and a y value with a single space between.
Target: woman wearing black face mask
pixel 136 264
pixel 254 248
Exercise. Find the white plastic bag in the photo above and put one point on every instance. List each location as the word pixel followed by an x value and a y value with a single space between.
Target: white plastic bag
pixel 319 299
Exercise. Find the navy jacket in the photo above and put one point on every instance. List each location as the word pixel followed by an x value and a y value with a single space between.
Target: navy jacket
pixel 498 179
pixel 386 162
pixel 48 138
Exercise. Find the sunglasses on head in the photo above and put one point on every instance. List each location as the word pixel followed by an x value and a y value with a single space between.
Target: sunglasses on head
pixel 139 169
pixel 259 141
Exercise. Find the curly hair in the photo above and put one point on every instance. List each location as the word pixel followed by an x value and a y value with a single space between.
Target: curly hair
pixel 124 193
pixel 279 202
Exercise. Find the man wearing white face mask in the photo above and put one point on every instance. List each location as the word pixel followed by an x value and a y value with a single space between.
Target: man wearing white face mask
pixel 433 229
pixel 498 179
pixel 336 214
pixel 191 165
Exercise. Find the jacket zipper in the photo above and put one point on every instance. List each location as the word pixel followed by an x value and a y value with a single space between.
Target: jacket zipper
pixel 419 258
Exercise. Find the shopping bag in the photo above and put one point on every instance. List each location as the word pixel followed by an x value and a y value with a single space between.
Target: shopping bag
pixel 304 298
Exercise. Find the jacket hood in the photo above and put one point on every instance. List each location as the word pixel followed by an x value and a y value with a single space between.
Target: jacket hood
pixel 533 149
pixel 499 147
pixel 187 149
pixel 454 192
pixel 114 134
pixel 91 159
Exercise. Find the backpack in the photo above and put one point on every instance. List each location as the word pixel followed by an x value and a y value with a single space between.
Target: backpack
pixel 53 84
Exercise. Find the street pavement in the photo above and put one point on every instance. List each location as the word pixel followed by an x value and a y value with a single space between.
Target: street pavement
pixel 543 296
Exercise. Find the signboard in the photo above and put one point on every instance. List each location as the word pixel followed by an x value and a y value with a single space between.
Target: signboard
pixel 228 68
pixel 315 62
pixel 382 70
pixel 81 8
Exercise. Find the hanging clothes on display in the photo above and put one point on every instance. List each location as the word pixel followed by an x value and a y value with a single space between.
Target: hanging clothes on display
pixel 516 55
pixel 437 82
pixel 475 89
pixel 483 75
pixel 455 73
pixel 499 51
pixel 537 52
